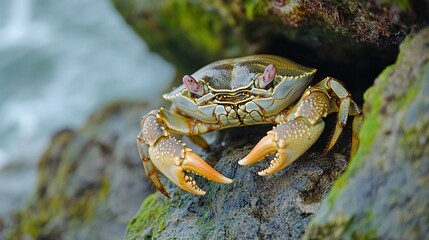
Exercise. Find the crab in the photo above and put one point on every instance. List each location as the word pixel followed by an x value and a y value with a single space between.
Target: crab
pixel 258 89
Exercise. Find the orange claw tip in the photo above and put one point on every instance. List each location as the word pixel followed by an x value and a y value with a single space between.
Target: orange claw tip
pixel 194 163
pixel 264 147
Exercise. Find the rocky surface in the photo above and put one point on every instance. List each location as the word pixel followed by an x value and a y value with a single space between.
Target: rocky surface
pixel 384 194
pixel 337 37
pixel 91 181
pixel 252 207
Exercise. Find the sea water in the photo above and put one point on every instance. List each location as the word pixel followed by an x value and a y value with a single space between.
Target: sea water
pixel 60 60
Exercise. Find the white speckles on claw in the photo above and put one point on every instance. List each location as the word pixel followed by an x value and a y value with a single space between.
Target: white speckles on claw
pixel 166 149
pixel 178 161
pixel 313 107
pixel 152 131
pixel 291 130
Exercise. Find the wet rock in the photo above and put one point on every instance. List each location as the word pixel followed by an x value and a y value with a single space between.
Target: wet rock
pixel 384 194
pixel 91 181
pixel 249 208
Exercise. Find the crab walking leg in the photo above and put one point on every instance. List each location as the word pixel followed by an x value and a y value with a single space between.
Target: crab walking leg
pixel 201 142
pixel 346 107
pixel 172 158
pixel 356 125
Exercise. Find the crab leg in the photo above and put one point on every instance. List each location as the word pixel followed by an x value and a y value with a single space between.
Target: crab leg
pixel 174 111
pixel 159 150
pixel 346 107
pixel 303 125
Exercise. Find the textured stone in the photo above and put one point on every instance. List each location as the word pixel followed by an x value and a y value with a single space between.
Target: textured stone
pixel 384 193
pixel 91 181
pixel 193 33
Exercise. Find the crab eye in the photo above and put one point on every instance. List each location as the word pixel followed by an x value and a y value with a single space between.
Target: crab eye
pixel 193 85
pixel 268 76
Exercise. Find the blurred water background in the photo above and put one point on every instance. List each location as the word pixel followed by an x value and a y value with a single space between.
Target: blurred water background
pixel 60 60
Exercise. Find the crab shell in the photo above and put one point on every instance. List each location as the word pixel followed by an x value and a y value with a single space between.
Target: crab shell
pixel 232 95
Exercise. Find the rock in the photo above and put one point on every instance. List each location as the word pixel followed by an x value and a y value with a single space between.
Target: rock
pixel 91 181
pixel 249 208
pixel 191 34
pixel 384 194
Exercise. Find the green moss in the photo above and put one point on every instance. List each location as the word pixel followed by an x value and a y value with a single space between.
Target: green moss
pixel 253 8
pixel 366 136
pixel 403 5
pixel 362 228
pixel 204 33
pixel 409 97
pixel 206 223
pixel 86 205
pixel 374 102
pixel 150 219
pixel 189 33
pixel 67 202
pixel 346 228
pixel 33 220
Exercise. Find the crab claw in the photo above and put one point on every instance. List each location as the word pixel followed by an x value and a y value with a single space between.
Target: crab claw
pixel 174 160
pixel 288 141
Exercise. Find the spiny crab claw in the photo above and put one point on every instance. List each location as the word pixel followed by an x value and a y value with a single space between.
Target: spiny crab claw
pixel 287 141
pixel 174 160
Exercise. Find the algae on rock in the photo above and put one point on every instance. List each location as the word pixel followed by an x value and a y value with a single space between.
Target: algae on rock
pixel 91 181
pixel 384 192
pixel 191 34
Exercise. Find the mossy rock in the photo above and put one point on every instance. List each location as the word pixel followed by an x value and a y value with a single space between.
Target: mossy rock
pixel 384 193
pixel 90 182
pixel 191 34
